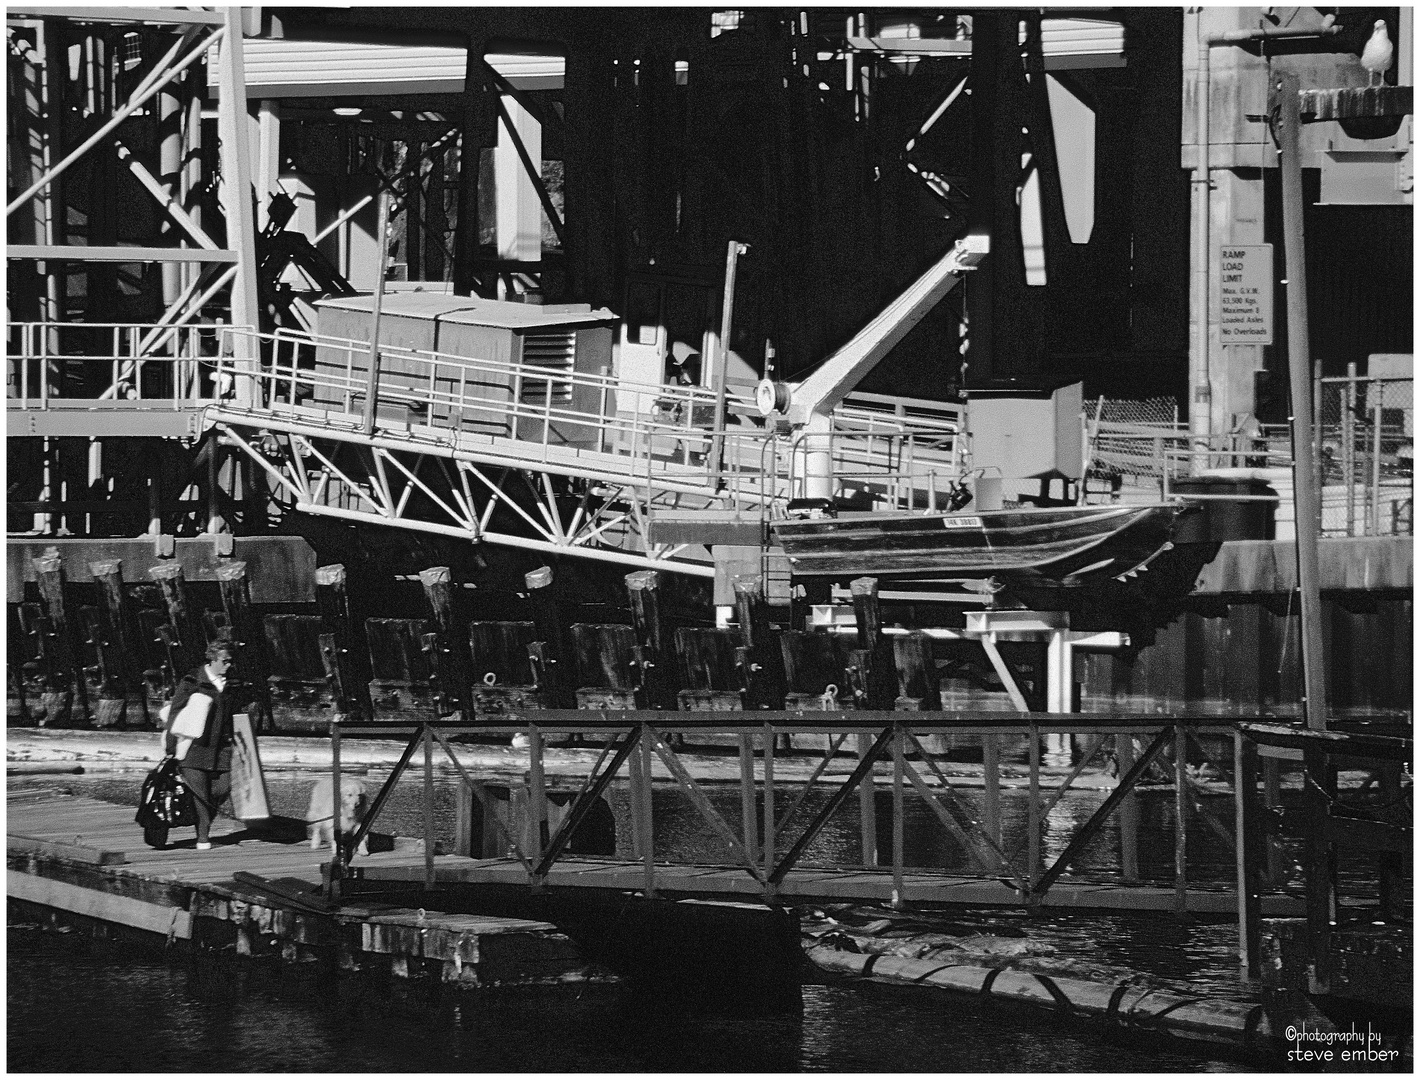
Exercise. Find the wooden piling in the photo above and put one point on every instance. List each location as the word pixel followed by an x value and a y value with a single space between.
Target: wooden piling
pixel 916 677
pixel 1180 813
pixel 452 660
pixel 333 603
pixel 764 682
pixel 110 701
pixel 50 569
pixel 123 634
pixel 188 646
pixel 657 673
pixel 253 664
pixel 556 679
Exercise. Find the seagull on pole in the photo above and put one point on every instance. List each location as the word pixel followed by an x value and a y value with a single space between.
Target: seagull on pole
pixel 1379 53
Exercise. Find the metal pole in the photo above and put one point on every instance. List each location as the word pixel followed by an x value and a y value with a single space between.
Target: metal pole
pixel 867 807
pixel 372 383
pixel 1348 448
pixel 747 796
pixel 337 862
pixel 1374 390
pixel 1128 812
pixel 1180 822
pixel 727 308
pixel 897 817
pixel 768 800
pixel 991 778
pixel 428 808
pixel 1285 110
pixel 1200 408
pixel 648 836
pixel 1033 809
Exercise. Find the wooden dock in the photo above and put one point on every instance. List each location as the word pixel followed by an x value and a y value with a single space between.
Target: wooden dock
pixel 87 859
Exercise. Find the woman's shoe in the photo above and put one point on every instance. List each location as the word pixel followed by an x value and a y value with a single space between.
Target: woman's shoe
pixel 204 845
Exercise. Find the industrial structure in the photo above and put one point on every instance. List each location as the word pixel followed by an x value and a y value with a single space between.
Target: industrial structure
pixel 464 362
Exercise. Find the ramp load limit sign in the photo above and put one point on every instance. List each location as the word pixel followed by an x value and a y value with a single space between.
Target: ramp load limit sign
pixel 1245 295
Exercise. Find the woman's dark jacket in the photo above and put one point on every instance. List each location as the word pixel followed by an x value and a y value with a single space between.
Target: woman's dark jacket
pixel 213 750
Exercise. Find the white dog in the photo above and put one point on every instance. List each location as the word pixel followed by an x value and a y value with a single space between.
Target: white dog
pixel 320 818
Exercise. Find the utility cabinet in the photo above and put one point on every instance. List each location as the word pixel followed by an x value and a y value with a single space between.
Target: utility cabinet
pixel 501 368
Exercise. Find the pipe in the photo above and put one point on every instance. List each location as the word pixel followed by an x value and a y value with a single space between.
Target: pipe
pixel 372 386
pixel 734 249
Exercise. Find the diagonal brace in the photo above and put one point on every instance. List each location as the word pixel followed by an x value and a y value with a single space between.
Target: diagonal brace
pixel 836 800
pixel 702 804
pixel 958 821
pixel 583 806
pixel 1097 819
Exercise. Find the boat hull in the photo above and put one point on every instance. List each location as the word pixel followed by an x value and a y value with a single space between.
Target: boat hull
pixel 1067 546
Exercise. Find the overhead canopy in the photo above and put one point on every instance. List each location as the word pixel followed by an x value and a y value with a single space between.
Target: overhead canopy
pixel 286 67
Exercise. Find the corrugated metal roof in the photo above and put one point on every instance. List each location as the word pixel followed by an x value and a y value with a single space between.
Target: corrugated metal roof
pixel 292 68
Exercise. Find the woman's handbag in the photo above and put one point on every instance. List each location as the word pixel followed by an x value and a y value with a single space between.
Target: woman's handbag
pixel 165 802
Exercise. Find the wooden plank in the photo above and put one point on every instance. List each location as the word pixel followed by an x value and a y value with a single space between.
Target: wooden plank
pixel 123 910
pixel 60 849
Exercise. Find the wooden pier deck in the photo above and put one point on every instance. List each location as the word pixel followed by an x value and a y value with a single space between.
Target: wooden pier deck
pixel 87 858
pixel 73 831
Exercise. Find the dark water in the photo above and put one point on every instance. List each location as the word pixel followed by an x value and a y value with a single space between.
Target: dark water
pixel 79 1004
pixel 214 1013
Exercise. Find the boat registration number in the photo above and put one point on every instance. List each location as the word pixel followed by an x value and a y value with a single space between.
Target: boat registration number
pixel 961 522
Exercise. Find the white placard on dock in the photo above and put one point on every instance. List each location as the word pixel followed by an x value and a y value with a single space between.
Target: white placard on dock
pixel 248 783
pixel 1245 295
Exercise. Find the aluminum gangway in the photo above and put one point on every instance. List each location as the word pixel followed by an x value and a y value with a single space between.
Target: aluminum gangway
pixel 562 462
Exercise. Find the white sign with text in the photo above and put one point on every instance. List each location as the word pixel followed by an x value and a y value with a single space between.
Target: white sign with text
pixel 1245 295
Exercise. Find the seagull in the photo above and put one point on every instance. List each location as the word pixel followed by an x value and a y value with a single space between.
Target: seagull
pixel 1378 53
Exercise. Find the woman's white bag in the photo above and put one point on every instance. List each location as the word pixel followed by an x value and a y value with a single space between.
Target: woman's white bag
pixel 191 720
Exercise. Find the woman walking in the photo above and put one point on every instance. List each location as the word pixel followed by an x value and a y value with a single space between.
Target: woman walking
pixel 200 735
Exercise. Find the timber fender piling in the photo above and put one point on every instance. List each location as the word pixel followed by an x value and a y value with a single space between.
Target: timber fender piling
pixel 1241 1025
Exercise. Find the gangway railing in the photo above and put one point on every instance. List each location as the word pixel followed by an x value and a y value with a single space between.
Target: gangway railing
pixel 54 365
pixel 1196 757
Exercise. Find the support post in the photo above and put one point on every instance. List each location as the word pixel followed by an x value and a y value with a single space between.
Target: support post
pixel 333 603
pixel 747 800
pixel 452 647
pixel 537 794
pixel 249 642
pixel 49 568
pixel 991 778
pixel 1249 855
pixel 1033 810
pixel 173 586
pixel 897 816
pixel 765 674
pixel 372 380
pixel 548 620
pixel 867 807
pixel 722 355
pixel 1285 111
pixel 337 858
pixel 648 852
pixel 237 200
pixel 1128 811
pixel 108 577
pixel 657 680
pixel 429 841
pixel 769 837
pixel 1180 819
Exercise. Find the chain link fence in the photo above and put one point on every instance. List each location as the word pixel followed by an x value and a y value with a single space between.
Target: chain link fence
pixel 1366 463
